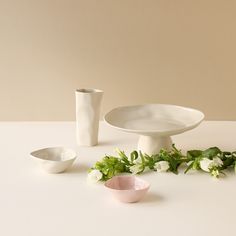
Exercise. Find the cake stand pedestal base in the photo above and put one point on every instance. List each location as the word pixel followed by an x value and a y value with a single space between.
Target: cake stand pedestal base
pixel 153 144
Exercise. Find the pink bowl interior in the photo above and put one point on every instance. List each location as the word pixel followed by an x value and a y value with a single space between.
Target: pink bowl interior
pixel 126 183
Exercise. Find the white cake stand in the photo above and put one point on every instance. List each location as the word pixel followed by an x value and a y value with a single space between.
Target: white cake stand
pixel 155 123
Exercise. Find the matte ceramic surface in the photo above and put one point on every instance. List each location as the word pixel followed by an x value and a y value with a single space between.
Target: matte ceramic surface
pixel 127 188
pixel 55 159
pixel 155 123
pixel 88 103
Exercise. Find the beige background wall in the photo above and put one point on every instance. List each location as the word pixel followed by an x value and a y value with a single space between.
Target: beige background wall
pixel 159 51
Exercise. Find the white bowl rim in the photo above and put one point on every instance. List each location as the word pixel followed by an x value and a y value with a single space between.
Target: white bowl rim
pixel 74 156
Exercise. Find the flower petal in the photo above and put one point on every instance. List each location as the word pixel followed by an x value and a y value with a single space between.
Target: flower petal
pixel 205 164
pixel 94 176
pixel 217 162
pixel 162 166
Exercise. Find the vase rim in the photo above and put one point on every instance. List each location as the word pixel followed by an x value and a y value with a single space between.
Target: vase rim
pixel 88 90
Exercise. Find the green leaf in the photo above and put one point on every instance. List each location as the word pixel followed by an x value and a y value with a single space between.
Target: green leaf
pixel 227 162
pixel 142 157
pixel 133 155
pixel 176 151
pixel 234 155
pixel 189 168
pixel 122 155
pixel 196 163
pixel 211 152
pixel 110 173
pixel 173 165
pixel 147 157
pixel 192 154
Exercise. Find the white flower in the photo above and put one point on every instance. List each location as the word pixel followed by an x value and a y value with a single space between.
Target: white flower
pixel 135 169
pixel 162 166
pixel 217 162
pixel 137 161
pixel 206 164
pixel 94 176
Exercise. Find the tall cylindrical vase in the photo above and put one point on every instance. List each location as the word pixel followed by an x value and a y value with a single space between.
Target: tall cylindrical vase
pixel 88 103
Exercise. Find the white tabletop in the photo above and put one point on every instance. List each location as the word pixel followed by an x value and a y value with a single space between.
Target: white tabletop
pixel 34 203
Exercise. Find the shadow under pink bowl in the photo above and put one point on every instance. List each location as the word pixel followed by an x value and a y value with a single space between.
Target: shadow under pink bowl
pixel 127 188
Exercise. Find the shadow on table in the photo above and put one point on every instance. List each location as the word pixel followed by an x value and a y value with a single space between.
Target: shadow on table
pixel 78 168
pixel 112 142
pixel 152 198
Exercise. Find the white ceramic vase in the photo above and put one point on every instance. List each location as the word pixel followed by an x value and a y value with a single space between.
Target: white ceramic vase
pixel 88 103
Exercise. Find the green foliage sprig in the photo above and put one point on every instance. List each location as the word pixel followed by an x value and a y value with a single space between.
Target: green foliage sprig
pixel 211 160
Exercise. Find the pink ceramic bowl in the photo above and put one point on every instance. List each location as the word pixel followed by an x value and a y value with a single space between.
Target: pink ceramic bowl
pixel 127 188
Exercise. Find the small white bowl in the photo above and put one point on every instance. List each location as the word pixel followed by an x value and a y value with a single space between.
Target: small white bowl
pixel 55 159
pixel 127 188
